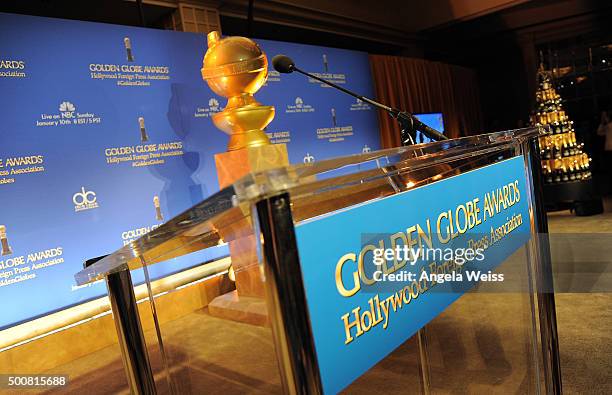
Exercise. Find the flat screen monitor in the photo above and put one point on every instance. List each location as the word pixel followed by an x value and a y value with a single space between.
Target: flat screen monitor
pixel 433 120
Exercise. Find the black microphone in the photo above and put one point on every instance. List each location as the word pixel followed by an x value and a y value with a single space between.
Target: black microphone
pixel 408 122
pixel 283 64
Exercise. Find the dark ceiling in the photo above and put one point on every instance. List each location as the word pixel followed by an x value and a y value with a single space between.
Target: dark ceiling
pixel 401 27
pixel 119 12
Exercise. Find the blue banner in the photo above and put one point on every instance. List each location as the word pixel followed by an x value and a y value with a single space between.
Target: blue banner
pixel 366 296
pixel 105 133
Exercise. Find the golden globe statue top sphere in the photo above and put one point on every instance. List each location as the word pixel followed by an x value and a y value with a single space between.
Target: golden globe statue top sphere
pixel 236 68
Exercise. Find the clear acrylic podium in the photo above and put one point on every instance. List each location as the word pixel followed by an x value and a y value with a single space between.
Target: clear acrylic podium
pixel 489 340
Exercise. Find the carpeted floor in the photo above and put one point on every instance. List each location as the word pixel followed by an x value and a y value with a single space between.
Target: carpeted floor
pixel 482 344
pixel 583 246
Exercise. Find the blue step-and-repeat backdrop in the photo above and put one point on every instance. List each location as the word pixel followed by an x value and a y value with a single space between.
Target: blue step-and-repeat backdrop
pixel 105 133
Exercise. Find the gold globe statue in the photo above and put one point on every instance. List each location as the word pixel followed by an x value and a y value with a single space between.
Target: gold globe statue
pixel 235 67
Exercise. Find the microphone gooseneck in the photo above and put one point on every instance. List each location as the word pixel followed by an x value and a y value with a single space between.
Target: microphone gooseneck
pixel 408 122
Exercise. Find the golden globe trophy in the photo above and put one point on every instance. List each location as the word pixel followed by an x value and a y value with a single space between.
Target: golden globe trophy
pixel 236 68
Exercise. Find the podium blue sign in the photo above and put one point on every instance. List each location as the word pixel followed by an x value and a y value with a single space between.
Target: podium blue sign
pixel 365 298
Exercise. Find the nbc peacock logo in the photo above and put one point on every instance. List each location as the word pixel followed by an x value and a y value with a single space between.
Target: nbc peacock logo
pixel 67 109
pixel 213 104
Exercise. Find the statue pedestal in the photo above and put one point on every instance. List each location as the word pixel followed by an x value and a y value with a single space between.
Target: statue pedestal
pixel 247 303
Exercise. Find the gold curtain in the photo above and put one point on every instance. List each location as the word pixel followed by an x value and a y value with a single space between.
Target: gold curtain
pixel 421 86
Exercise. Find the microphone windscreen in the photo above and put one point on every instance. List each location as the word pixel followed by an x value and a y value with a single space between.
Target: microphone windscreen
pixel 283 64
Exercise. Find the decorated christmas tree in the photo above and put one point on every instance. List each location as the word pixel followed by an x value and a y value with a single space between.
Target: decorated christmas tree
pixel 563 159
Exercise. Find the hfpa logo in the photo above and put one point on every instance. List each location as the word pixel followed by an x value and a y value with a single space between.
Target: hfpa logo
pixel 84 200
pixel 309 158
pixel 67 109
